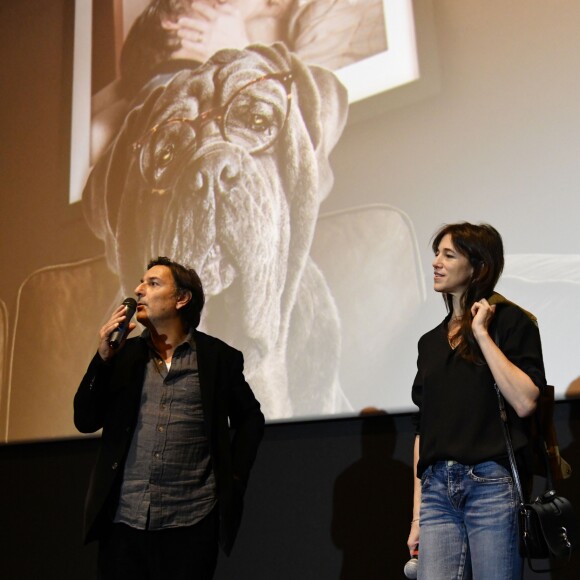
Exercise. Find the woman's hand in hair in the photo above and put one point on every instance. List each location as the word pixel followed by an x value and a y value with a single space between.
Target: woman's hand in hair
pixel 482 312
pixel 515 385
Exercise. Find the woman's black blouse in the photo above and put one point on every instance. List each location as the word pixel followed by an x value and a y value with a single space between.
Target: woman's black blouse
pixel 458 408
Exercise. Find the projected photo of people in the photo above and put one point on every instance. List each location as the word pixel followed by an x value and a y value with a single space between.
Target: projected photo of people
pixel 298 199
pixel 211 145
pixel 224 169
pixel 261 269
pixel 169 34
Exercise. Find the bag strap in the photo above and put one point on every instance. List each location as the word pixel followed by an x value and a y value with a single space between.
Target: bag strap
pixel 506 431
pixel 510 449
pixel 508 443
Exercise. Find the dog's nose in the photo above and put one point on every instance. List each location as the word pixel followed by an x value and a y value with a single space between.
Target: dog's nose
pixel 216 172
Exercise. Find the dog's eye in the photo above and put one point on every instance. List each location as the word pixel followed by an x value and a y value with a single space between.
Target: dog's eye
pixel 256 114
pixel 253 125
pixel 165 155
pixel 259 122
pixel 252 116
pixel 162 150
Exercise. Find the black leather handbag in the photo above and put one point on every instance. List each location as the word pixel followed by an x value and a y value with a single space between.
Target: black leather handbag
pixel 548 524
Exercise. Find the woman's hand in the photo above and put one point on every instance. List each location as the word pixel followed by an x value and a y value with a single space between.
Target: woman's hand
pixel 413 539
pixel 482 312
pixel 515 385
pixel 207 29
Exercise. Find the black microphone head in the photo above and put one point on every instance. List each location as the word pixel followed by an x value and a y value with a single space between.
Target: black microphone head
pixel 119 334
pixel 131 306
pixel 130 303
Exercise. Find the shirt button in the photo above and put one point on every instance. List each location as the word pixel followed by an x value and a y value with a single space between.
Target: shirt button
pixel 160 429
pixel 114 466
pixel 157 455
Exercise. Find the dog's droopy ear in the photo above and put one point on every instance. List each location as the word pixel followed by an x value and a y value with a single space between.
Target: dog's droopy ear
pixel 325 111
pixel 322 101
pixel 103 191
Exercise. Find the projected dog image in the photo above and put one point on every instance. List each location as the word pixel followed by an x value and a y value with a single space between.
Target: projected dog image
pixel 224 168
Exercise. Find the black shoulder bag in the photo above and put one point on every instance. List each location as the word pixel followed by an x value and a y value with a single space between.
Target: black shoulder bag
pixel 548 525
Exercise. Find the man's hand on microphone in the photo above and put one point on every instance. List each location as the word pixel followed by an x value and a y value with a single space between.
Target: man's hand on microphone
pixel 118 316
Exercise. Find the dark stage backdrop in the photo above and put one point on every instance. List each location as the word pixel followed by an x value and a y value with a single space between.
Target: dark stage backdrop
pixel 327 500
pixel 317 260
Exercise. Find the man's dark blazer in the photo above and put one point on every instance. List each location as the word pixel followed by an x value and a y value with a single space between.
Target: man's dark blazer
pixel 109 397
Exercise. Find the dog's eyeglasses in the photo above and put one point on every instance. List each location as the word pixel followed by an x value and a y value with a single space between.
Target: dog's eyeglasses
pixel 252 118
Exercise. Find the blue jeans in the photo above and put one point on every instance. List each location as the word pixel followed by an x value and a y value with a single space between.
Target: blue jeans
pixel 469 523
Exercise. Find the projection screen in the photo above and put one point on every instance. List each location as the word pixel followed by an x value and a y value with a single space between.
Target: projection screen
pixel 373 122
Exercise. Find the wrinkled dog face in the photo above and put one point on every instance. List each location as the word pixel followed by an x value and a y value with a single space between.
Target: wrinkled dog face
pixel 205 174
pixel 223 169
pixel 206 186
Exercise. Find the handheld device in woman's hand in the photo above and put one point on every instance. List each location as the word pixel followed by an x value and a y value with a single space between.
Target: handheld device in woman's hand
pixel 410 569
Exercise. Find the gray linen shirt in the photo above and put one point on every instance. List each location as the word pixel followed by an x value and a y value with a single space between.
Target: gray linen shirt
pixel 168 479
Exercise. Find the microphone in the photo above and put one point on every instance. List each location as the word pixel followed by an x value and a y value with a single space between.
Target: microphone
pixel 119 334
pixel 410 569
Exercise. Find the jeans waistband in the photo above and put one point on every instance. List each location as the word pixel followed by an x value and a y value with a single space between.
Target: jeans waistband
pixel 449 464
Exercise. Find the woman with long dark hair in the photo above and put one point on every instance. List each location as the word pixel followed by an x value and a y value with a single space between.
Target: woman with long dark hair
pixel 465 510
